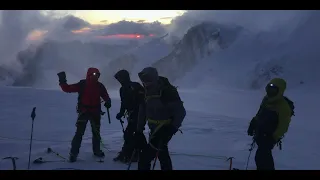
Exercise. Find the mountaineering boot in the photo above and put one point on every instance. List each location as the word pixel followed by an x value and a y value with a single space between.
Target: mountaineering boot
pixel 72 158
pixel 99 154
pixel 120 157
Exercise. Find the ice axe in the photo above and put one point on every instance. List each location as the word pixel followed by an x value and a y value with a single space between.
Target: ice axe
pixel 49 150
pixel 250 150
pixel 121 122
pixel 13 159
pixel 33 116
pixel 108 112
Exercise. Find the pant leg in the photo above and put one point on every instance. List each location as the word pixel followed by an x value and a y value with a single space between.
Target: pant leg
pixel 263 158
pixel 95 121
pixel 158 144
pixel 146 156
pixel 129 144
pixel 77 139
pixel 164 156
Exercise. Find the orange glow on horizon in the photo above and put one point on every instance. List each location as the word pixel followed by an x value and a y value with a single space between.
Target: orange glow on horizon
pixel 124 36
pixel 36 35
pixel 82 30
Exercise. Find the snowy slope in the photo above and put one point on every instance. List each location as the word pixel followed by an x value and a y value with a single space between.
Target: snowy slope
pixel 288 49
pixel 214 129
pixel 135 60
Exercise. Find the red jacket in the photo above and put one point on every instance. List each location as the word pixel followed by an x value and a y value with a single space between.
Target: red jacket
pixel 91 92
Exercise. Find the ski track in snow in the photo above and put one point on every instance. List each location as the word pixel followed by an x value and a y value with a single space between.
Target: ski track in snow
pixel 209 135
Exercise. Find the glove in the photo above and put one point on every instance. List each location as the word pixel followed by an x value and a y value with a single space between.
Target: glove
pixel 62 77
pixel 119 116
pixel 107 104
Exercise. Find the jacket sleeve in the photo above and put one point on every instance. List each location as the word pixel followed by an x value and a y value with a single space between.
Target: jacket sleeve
pixel 252 123
pixel 141 93
pixel 178 113
pixel 104 93
pixel 284 119
pixel 141 118
pixel 261 104
pixel 122 106
pixel 72 88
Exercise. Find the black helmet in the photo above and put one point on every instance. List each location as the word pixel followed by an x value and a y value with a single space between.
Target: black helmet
pixel 122 76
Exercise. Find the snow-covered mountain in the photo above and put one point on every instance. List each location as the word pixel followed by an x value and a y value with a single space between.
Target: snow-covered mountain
pixel 209 55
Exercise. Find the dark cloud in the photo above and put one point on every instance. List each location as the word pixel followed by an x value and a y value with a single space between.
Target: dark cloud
pixel 74 23
pixel 130 27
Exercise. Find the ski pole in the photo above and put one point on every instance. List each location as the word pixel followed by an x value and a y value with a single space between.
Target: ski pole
pixel 157 155
pixel 132 155
pixel 13 159
pixel 33 116
pixel 155 160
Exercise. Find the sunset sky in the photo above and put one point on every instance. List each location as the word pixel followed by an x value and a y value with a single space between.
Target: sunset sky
pixel 111 16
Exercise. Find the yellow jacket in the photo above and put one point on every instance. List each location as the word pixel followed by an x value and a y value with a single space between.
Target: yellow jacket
pixel 280 106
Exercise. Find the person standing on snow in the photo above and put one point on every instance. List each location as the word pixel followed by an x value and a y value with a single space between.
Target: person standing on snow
pixel 164 112
pixel 270 123
pixel 132 95
pixel 89 108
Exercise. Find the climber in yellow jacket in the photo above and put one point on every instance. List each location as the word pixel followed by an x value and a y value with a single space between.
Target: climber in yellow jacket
pixel 271 122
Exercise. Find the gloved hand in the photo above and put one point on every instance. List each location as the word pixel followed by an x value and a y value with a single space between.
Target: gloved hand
pixel 107 104
pixel 140 140
pixel 119 116
pixel 62 77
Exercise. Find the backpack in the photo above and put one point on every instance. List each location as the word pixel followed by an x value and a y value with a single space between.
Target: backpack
pixel 291 105
pixel 135 92
pixel 169 93
pixel 82 84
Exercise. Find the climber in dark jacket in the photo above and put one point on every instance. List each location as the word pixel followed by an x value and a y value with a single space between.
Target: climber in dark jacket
pixel 270 123
pixel 131 95
pixel 164 112
pixel 89 108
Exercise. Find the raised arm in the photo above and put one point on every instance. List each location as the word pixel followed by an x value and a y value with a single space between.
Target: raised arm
pixel 66 87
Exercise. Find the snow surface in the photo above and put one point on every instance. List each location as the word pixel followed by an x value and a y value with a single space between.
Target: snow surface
pixel 214 129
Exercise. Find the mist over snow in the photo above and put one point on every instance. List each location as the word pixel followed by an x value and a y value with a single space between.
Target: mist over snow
pixel 198 50
pixel 269 44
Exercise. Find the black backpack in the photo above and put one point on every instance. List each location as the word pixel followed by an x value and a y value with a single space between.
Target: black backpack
pixel 291 104
pixel 169 93
pixel 135 93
